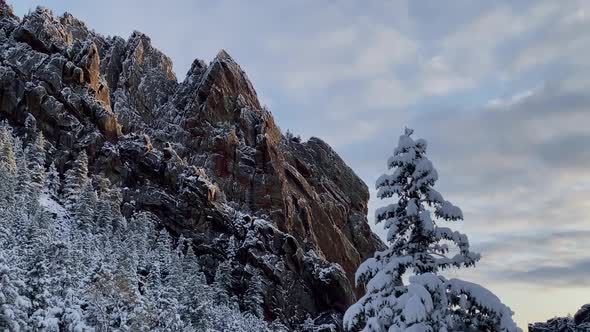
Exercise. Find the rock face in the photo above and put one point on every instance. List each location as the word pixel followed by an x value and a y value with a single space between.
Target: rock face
pixel 194 153
pixel 580 322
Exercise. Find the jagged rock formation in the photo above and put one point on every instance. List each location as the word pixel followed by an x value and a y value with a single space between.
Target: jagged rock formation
pixel 579 323
pixel 192 153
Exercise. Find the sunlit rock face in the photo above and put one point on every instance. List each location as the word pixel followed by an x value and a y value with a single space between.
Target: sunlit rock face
pixel 201 154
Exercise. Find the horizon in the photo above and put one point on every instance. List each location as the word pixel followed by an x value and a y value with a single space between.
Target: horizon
pixel 504 121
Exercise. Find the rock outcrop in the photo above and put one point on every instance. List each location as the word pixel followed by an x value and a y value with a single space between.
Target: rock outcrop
pixel 202 155
pixel 579 323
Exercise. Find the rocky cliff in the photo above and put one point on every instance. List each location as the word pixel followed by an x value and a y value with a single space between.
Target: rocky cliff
pixel 201 154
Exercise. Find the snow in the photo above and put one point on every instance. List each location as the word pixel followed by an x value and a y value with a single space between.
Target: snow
pixel 418 304
pixel 382 212
pixel 483 298
pixel 426 221
pixel 52 206
pixel 412 208
pixel 449 211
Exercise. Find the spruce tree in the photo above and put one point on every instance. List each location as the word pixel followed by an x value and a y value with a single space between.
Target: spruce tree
pixel 71 315
pixel 86 207
pixel 36 163
pixel 223 282
pixel 7 157
pixel 75 180
pixel 8 169
pixel 13 305
pixel 24 187
pixel 52 182
pixel 254 297
pixel 194 291
pixel 38 282
pixel 419 249
pixel 163 251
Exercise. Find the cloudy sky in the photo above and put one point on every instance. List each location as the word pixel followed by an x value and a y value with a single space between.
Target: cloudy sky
pixel 499 89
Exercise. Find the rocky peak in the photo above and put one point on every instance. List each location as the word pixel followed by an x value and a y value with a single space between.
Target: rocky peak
pixel 43 32
pixel 222 90
pixel 145 80
pixel 201 155
pixel 75 27
pixel 5 10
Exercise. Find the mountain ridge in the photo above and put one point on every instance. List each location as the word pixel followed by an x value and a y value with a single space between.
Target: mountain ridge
pixel 187 150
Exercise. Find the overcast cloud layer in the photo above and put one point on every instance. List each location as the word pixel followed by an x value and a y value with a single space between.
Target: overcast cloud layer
pixel 500 90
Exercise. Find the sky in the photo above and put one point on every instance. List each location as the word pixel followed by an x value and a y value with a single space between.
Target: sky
pixel 498 89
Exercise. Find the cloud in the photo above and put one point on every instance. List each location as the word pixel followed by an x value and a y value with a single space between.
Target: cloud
pixel 503 103
pixel 574 275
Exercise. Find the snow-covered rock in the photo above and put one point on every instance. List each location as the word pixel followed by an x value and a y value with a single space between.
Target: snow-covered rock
pixel 184 151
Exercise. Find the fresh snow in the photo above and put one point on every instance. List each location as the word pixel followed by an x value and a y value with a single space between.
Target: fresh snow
pixel 51 206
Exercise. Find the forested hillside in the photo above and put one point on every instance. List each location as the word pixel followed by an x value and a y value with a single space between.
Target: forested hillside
pixel 69 260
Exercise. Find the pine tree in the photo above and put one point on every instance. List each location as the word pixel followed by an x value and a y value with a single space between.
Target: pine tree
pixel 195 294
pixel 13 305
pixel 175 276
pixel 142 232
pixel 109 219
pixel 419 247
pixel 163 251
pixel 254 297
pixel 86 207
pixel 8 181
pixel 36 237
pixel 38 290
pixel 24 186
pixel 36 162
pixel 61 268
pixel 71 315
pixel 109 298
pixel 52 182
pixel 7 157
pixel 76 178
pixel 223 282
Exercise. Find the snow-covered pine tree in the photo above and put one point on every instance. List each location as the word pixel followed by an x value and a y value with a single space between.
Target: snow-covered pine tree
pixel 419 248
pixel 254 297
pixel 86 207
pixel 75 180
pixel 13 305
pixel 36 163
pixel 61 269
pixel 223 282
pixel 7 167
pixel 39 291
pixel 52 182
pixel 195 294
pixel 24 188
pixel 70 314
pixel 7 158
pixel 109 217
pixel 163 251
pixel 141 229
